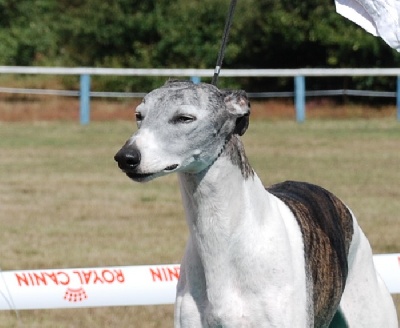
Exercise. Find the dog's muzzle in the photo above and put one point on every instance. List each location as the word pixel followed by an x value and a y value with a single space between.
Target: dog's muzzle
pixel 128 159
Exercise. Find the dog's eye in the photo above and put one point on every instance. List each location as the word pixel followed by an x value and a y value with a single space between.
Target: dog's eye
pixel 139 116
pixel 183 118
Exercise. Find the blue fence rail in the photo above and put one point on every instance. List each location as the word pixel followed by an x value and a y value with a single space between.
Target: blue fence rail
pixel 195 75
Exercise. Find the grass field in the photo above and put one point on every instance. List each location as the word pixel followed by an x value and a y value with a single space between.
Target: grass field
pixel 64 203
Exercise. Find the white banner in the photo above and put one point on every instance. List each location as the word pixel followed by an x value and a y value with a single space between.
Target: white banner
pixel 118 286
pixel 88 287
pixel 388 267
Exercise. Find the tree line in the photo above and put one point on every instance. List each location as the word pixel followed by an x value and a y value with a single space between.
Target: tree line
pixel 187 34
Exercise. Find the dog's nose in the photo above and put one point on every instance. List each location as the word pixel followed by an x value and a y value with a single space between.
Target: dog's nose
pixel 127 159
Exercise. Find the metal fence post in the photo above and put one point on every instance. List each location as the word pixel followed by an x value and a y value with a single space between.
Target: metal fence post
pixel 300 98
pixel 84 114
pixel 398 98
pixel 195 79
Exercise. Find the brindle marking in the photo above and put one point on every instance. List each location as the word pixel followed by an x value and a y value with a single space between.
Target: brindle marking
pixel 235 151
pixel 327 228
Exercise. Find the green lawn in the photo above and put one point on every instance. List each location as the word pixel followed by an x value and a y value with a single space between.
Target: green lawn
pixel 64 202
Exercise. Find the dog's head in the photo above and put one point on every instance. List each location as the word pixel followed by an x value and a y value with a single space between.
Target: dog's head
pixel 182 127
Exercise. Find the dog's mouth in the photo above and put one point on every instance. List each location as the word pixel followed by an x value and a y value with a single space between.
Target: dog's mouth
pixel 141 177
pixel 171 167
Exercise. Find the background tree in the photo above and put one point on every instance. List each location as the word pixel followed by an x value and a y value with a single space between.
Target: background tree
pixel 187 33
pixel 26 32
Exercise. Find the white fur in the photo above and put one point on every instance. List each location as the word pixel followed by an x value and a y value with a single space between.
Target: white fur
pixel 244 261
pixel 366 301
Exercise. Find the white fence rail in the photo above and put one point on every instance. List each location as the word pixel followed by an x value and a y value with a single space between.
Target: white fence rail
pixel 308 72
pixel 299 76
pixel 118 286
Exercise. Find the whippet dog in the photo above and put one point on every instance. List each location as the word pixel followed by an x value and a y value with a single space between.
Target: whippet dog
pixel 290 255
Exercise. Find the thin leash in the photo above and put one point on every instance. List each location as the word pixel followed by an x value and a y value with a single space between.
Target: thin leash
pixel 228 24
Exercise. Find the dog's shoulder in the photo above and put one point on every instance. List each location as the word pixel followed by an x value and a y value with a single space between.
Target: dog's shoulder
pixel 327 228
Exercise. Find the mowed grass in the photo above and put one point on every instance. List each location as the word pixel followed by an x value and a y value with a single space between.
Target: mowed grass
pixel 64 203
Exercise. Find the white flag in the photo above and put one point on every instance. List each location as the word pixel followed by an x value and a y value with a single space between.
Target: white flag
pixel 378 17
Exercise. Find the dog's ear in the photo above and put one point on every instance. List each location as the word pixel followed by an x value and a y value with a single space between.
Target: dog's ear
pixel 237 103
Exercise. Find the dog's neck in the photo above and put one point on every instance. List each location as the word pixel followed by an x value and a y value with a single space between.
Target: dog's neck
pixel 218 189
pixel 219 203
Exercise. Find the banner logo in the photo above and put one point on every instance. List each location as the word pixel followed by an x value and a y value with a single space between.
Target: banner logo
pixel 75 295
